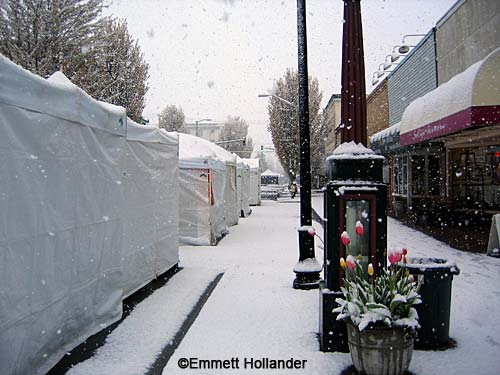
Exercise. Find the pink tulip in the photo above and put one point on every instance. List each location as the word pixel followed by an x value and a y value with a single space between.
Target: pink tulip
pixel 351 262
pixel 359 228
pixel 344 237
pixel 311 231
pixel 405 252
pixel 395 256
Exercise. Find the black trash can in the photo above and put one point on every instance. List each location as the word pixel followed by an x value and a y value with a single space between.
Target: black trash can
pixel 434 277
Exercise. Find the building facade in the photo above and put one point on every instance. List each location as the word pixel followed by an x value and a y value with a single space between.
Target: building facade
pixel 467 33
pixel 377 110
pixel 413 77
pixel 206 130
pixel 331 118
pixel 443 143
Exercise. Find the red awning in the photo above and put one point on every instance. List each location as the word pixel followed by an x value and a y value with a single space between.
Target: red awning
pixel 470 99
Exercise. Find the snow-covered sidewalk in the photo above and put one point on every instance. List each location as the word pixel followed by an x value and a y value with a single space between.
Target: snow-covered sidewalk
pixel 254 312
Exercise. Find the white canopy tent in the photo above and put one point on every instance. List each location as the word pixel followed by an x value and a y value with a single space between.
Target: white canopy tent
pixel 254 198
pixel 151 223
pixel 208 195
pixel 88 214
pixel 243 187
pixel 469 99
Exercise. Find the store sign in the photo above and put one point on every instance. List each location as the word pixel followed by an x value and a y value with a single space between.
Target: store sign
pixel 473 116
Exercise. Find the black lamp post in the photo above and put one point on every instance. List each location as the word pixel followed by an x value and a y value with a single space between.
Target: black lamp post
pixel 307 269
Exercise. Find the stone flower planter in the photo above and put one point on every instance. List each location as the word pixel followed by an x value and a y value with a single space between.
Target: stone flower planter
pixel 380 350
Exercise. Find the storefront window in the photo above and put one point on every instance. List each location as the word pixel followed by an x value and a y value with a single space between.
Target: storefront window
pixel 418 175
pixel 401 175
pixel 434 175
pixel 475 176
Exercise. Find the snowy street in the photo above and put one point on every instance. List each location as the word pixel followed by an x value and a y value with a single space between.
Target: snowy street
pixel 254 313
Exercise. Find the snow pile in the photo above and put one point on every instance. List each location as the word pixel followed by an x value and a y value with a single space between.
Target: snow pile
pixel 353 150
pixel 344 189
pixel 388 132
pixel 58 78
pixel 308 265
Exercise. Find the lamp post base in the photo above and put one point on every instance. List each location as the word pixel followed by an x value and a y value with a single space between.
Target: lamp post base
pixel 306 280
pixel 307 268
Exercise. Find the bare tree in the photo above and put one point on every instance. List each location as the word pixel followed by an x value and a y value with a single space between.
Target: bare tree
pixel 283 124
pixel 171 118
pixel 234 137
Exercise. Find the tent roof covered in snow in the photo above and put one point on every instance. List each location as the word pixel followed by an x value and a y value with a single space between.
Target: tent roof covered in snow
pixel 195 151
pixel 242 162
pixel 150 134
pixel 73 104
pixel 253 163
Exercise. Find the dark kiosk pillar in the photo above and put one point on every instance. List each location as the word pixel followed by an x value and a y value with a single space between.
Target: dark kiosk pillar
pixel 307 269
pixel 353 92
pixel 355 190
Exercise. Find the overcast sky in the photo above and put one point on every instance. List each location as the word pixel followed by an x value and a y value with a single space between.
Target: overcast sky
pixel 213 57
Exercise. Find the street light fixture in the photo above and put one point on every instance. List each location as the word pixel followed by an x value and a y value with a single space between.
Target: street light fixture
pixel 277 97
pixel 197 121
pixel 397 52
pixel 388 64
pixel 380 71
pixel 395 55
pixel 404 48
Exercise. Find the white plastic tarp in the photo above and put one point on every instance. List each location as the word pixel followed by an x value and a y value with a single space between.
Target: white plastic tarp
pixel 195 206
pixel 69 189
pixel 231 211
pixel 151 218
pixel 201 209
pixel 217 215
pixel 203 179
pixel 239 184
pixel 255 184
pixel 243 188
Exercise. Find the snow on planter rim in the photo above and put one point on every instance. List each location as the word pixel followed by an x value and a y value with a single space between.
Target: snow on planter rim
pixel 423 264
